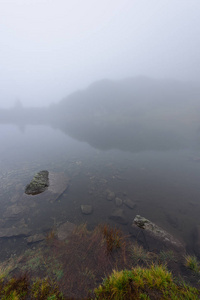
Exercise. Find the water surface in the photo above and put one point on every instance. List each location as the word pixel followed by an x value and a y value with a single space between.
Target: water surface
pixel 163 184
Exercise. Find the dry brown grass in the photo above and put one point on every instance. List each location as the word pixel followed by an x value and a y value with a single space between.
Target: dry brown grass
pixel 88 256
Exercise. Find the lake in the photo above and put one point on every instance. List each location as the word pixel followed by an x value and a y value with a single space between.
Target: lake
pixel 163 184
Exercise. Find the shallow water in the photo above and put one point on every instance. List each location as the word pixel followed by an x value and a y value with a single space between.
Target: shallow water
pixel 163 184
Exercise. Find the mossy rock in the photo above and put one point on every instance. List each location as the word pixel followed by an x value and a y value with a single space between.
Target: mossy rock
pixel 38 184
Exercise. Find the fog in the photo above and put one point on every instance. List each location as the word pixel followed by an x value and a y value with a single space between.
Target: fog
pixel 105 96
pixel 50 49
pixel 134 114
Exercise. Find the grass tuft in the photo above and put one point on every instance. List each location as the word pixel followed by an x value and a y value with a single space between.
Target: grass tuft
pixel 192 263
pixel 155 282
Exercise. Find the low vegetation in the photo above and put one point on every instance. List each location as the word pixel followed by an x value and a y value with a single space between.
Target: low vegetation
pixel 144 283
pixel 20 288
pixel 75 268
pixel 192 263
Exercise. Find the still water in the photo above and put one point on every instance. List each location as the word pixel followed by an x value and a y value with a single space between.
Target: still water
pixel 163 184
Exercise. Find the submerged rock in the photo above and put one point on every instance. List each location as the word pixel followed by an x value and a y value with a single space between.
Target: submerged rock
pixel 110 195
pixel 119 216
pixel 153 236
pixel 13 232
pixel 64 230
pixel 15 211
pixel 15 198
pixel 128 202
pixel 38 184
pixel 35 238
pixel 118 201
pixel 58 183
pixel 86 209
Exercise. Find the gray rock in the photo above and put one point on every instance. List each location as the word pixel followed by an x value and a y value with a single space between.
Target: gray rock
pixel 142 222
pixel 15 211
pixel 64 230
pixel 38 184
pixel 58 183
pixel 119 216
pixel 35 238
pixel 14 232
pixel 110 195
pixel 154 237
pixel 15 198
pixel 118 201
pixel 128 202
pixel 86 209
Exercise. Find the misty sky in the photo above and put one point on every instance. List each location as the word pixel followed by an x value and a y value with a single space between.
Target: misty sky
pixel 50 48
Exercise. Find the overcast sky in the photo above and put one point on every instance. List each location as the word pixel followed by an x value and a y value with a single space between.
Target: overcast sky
pixel 50 48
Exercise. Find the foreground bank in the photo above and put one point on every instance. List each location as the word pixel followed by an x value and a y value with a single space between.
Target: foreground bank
pixel 101 264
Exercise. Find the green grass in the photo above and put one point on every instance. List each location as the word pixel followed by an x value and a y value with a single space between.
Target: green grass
pixel 155 282
pixel 77 266
pixel 21 288
pixel 167 256
pixel 192 263
pixel 139 255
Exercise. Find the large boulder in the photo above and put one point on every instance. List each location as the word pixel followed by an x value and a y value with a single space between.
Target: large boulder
pixel 38 184
pixel 57 184
pixel 154 237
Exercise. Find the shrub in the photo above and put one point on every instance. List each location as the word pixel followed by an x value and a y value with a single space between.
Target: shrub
pixel 144 283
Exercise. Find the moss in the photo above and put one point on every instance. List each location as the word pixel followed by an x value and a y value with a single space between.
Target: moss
pixel 38 184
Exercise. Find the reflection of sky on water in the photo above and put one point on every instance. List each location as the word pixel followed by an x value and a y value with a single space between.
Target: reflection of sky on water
pixel 147 148
pixel 164 184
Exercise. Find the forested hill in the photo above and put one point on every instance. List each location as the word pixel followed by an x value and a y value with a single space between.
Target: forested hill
pixel 130 95
pixel 135 114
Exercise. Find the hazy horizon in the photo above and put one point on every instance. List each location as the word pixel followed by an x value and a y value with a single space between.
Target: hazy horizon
pixel 51 49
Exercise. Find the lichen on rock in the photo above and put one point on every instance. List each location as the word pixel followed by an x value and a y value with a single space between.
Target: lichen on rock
pixel 38 184
pixel 155 236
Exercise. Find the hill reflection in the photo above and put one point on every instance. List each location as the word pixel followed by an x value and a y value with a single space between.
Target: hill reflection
pixel 137 114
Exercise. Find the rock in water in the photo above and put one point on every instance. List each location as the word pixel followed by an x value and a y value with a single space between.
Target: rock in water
pixel 110 195
pixel 118 201
pixel 154 236
pixel 119 216
pixel 58 183
pixel 128 202
pixel 14 232
pixel 86 209
pixel 35 238
pixel 64 230
pixel 15 211
pixel 38 184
